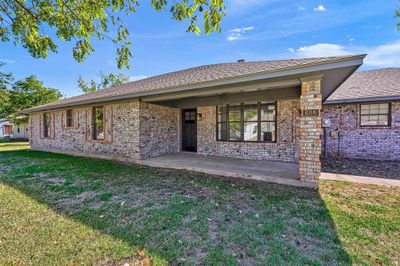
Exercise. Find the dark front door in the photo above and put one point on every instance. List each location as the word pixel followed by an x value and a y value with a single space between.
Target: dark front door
pixel 189 130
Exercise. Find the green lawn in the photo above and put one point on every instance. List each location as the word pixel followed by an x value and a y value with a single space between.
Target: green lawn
pixel 63 210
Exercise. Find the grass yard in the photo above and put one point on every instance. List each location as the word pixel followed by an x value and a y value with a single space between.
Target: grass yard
pixel 63 210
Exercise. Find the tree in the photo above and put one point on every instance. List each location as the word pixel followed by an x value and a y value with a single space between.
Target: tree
pixel 398 15
pixel 27 93
pixel 25 22
pixel 5 81
pixel 106 81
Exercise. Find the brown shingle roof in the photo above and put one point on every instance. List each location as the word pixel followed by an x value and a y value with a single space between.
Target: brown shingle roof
pixel 369 86
pixel 191 76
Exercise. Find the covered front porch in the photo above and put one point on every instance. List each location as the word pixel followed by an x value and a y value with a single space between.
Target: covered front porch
pixel 270 171
pixel 266 127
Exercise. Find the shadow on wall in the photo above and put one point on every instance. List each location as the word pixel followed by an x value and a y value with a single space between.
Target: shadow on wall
pixel 80 210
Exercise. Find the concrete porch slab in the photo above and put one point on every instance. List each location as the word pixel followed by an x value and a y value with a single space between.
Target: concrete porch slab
pixel 269 171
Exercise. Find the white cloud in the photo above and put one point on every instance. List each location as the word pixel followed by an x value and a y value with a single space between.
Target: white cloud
pixel 384 55
pixel 238 33
pixel 7 61
pixel 139 77
pixel 301 8
pixel 320 8
pixel 321 49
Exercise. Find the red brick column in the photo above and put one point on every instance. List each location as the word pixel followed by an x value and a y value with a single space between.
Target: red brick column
pixel 310 129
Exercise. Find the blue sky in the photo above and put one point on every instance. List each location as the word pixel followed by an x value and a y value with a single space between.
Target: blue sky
pixel 253 30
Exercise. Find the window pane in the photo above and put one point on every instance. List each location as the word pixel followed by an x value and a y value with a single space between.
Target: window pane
pixel 268 112
pixel 98 123
pixel 234 131
pixel 268 131
pixel 250 131
pixel 250 112
pixel 222 131
pixel 46 125
pixel 222 113
pixel 234 113
pixel 364 120
pixel 383 120
pixel 374 108
pixel 384 108
pixel 364 108
pixel 70 118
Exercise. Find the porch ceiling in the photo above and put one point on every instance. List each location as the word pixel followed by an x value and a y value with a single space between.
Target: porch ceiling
pixel 269 89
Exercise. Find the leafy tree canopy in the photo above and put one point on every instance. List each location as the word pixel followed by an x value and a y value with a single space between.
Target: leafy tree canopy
pixel 106 81
pixel 398 15
pixel 23 94
pixel 25 21
pixel 5 81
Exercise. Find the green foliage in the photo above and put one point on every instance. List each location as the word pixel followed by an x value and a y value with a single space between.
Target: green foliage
pixel 82 21
pixel 5 81
pixel 106 81
pixel 23 94
pixel 398 16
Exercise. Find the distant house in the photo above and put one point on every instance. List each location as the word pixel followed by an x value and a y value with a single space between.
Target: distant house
pixel 14 131
pixel 267 110
pixel 362 117
pixel 5 128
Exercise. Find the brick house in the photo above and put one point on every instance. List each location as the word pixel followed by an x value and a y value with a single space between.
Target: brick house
pixel 268 110
pixel 362 117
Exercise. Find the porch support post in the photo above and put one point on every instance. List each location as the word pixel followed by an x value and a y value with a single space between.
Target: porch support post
pixel 310 129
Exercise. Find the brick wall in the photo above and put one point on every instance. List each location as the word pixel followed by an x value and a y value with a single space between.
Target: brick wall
pixel 345 137
pixel 285 149
pixel 310 130
pixel 159 130
pixel 133 130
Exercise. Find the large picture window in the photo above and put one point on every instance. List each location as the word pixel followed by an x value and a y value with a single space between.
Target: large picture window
pixel 250 122
pixel 98 123
pixel 375 114
pixel 46 125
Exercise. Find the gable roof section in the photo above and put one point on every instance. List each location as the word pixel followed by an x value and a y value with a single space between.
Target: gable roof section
pixel 201 76
pixel 368 86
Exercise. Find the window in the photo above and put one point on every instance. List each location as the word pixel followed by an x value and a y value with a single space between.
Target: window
pixel 235 118
pixel 268 121
pixel 70 118
pixel 375 114
pixel 46 125
pixel 18 130
pixel 98 125
pixel 221 123
pixel 247 122
pixel 7 129
pixel 250 122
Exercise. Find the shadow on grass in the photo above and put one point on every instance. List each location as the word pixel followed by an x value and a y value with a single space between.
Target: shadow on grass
pixel 177 216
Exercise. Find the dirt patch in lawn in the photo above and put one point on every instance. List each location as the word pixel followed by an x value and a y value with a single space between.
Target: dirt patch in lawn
pixel 359 167
pixel 73 202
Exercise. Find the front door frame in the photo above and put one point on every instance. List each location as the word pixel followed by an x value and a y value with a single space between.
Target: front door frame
pixel 194 132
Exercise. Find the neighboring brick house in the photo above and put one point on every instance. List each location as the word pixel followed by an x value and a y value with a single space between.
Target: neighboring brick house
pixel 268 110
pixel 362 117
